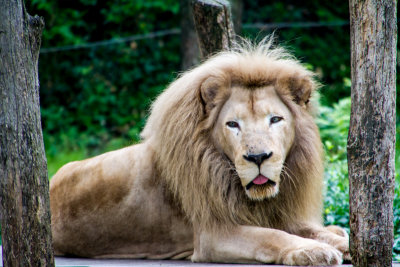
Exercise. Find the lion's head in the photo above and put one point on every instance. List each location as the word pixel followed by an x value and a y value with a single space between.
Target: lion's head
pixel 235 140
pixel 255 130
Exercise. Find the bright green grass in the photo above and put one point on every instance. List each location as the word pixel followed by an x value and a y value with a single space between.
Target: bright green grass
pixel 57 161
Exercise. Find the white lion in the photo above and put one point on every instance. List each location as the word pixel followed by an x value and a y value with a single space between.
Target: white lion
pixel 229 169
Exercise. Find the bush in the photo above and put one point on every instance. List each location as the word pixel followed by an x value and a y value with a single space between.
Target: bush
pixel 333 123
pixel 92 97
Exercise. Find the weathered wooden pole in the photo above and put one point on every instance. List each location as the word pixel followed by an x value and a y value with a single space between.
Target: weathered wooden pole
pixel 24 191
pixel 189 45
pixel 237 13
pixel 371 141
pixel 213 23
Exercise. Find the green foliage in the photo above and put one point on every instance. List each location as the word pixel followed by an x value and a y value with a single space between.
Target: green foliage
pixel 333 123
pixel 326 48
pixel 90 97
pixel 95 95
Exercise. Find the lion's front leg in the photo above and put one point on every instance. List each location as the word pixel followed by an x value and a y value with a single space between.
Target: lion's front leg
pixel 245 244
pixel 332 235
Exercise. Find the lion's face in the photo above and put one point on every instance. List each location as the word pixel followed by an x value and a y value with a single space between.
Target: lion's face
pixel 255 130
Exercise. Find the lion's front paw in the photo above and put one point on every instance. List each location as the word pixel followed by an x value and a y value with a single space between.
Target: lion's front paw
pixel 343 246
pixel 340 240
pixel 314 254
pixel 337 230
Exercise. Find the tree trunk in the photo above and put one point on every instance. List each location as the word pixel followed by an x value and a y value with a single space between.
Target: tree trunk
pixel 24 189
pixel 190 52
pixel 371 141
pixel 237 11
pixel 213 22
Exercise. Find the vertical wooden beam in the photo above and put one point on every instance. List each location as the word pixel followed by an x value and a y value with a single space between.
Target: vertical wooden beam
pixel 237 12
pixel 189 45
pixel 24 188
pixel 371 141
pixel 214 26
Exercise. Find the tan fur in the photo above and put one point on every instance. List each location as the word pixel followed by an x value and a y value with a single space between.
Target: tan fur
pixel 184 186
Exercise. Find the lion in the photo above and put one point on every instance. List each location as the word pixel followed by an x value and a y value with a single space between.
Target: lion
pixel 229 169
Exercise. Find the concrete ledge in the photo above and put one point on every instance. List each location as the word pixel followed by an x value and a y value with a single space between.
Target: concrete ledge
pixel 84 262
pixel 64 262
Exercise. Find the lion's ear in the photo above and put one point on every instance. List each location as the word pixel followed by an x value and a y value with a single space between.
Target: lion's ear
pixel 302 95
pixel 209 91
pixel 301 89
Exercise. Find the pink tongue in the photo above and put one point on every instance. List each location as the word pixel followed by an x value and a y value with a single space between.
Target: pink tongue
pixel 260 179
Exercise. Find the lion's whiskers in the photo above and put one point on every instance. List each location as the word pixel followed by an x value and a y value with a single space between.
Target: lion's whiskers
pixel 289 175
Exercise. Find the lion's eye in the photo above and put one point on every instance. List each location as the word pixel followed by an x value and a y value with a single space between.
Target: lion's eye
pixel 232 124
pixel 276 119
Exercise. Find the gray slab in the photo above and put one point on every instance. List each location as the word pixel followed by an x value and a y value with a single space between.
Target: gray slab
pixel 61 261
pixel 83 262
pixel 147 263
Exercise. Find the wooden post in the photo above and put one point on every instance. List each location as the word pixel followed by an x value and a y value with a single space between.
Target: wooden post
pixel 237 12
pixel 213 22
pixel 189 45
pixel 24 189
pixel 371 141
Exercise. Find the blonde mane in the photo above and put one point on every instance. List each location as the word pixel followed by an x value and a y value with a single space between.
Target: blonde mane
pixel 202 178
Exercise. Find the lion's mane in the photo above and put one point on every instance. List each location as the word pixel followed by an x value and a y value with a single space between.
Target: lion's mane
pixel 202 179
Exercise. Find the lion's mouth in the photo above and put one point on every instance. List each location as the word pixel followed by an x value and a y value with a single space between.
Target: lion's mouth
pixel 260 180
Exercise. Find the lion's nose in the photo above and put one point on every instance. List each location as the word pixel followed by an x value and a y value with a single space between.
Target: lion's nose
pixel 257 159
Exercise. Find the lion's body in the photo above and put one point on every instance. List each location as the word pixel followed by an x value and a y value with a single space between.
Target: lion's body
pixel 196 184
pixel 115 207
